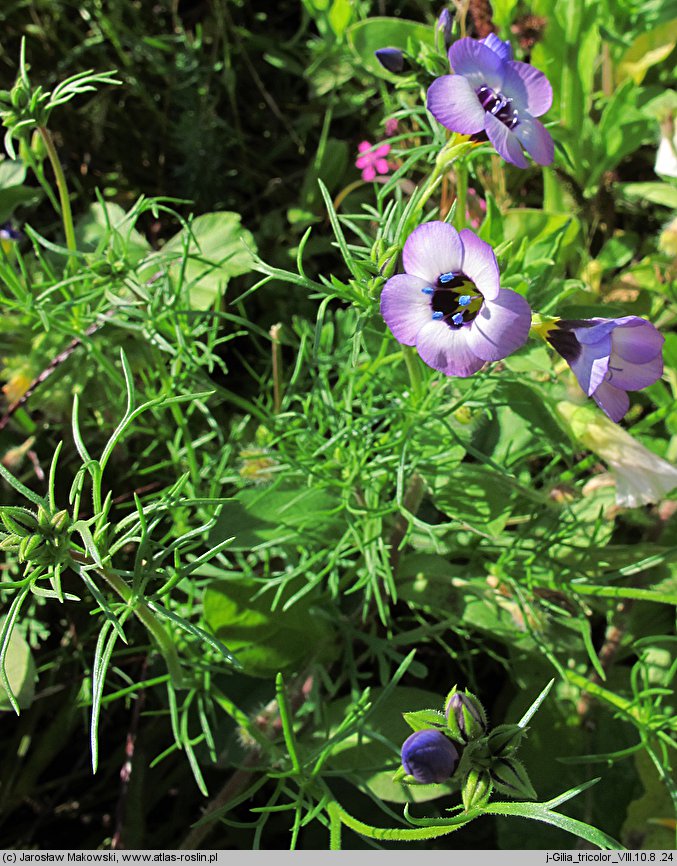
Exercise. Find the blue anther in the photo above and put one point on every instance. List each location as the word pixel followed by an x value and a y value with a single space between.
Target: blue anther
pixel 428 291
pixel 464 300
pixel 457 318
pixel 447 278
pixel 438 314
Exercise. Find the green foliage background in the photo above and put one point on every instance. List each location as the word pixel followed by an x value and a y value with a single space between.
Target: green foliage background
pixel 264 535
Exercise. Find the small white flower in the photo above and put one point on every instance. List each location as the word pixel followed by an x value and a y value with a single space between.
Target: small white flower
pixel 641 476
pixel 666 157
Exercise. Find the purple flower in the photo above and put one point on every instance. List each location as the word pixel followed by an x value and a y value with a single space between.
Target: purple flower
pixel 493 96
pixel 444 25
pixel 391 59
pixel 610 357
pixel 429 756
pixel 449 304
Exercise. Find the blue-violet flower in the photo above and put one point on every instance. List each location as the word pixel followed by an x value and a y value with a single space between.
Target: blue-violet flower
pixel 493 96
pixel 449 303
pixel 610 357
pixel 429 756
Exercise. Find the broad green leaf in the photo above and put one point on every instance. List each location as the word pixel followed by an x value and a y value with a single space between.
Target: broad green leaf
pixel 276 514
pixel 478 496
pixel 13 196
pixel 340 16
pixel 218 248
pixel 647 50
pixel 265 641
pixel 109 225
pixel 655 191
pixel 503 13
pixel 645 826
pixel 368 36
pixel 21 674
pixel 541 229
pixel 12 173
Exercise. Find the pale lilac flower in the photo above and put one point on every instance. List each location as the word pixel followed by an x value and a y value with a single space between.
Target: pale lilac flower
pixel 449 303
pixel 493 96
pixel 610 357
pixel 641 477
pixel 429 756
pixel 371 160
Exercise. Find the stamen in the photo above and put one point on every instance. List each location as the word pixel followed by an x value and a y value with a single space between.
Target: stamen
pixel 464 300
pixel 438 314
pixel 447 278
pixel 457 318
pixel 428 291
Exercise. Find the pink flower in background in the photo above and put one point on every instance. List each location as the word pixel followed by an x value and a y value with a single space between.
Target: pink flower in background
pixel 372 161
pixel 391 126
pixel 476 208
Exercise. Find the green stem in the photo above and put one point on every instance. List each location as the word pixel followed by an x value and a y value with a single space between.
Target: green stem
pixel 414 370
pixel 461 196
pixel 38 171
pixel 151 623
pixel 394 834
pixel 66 214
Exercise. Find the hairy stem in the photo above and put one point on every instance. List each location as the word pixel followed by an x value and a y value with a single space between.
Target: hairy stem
pixel 66 213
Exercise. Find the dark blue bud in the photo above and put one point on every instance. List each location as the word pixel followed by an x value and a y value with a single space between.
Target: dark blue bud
pixel 429 756
pixel 391 59
pixel 7 233
pixel 444 23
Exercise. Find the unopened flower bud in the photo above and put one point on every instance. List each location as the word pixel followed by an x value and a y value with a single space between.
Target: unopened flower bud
pixel 444 25
pixel 476 789
pixel 391 59
pixel 28 546
pixel 429 756
pixel 466 718
pixel 60 520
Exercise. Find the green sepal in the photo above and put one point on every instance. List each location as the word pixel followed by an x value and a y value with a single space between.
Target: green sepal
pixel 504 740
pixel 476 789
pixel 422 720
pixel 511 778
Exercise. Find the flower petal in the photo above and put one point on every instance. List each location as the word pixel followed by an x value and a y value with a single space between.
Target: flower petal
pixel 382 166
pixel 479 64
pixel 501 326
pixel 634 377
pixel 479 263
pixel 498 46
pixel 529 86
pixel 363 145
pixel 591 364
pixel 504 141
pixel 405 307
pixel 446 349
pixel 536 140
pixel 432 249
pixel 363 161
pixel 453 102
pixel 369 173
pixel 612 401
pixel 382 150
pixel 636 340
